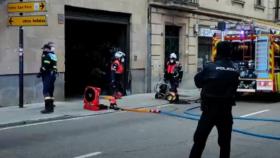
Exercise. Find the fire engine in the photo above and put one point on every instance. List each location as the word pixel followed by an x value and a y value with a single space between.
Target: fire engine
pixel 256 57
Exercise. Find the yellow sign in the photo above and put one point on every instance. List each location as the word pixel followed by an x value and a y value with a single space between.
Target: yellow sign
pixel 27 7
pixel 40 20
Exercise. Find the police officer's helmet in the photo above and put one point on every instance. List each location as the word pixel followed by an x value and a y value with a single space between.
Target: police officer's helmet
pixel 46 46
pixel 223 50
pixel 52 46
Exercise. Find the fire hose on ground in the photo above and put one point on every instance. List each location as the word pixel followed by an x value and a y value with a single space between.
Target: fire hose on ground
pixel 91 102
pixel 195 117
pixel 191 116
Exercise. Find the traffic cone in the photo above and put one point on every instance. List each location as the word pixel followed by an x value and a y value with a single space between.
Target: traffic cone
pixel 154 110
pixel 113 102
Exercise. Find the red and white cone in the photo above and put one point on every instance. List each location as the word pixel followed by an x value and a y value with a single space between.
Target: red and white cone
pixel 113 103
pixel 155 111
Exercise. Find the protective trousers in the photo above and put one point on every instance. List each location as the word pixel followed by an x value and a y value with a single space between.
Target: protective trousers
pixel 48 89
pixel 223 122
pixel 174 85
pixel 48 79
pixel 116 83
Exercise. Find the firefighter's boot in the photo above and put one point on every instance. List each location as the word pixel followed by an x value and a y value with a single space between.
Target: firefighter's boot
pixel 176 99
pixel 52 103
pixel 48 107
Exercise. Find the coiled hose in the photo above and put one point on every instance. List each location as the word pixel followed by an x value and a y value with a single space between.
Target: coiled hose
pixel 191 116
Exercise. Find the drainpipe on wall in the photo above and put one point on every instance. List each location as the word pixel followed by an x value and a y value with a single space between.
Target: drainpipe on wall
pixel 149 51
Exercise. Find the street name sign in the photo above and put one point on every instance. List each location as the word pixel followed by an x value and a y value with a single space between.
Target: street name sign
pixel 22 7
pixel 36 20
pixel 25 20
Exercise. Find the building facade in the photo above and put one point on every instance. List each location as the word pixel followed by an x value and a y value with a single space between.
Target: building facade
pixel 86 31
pixel 194 22
pixel 83 31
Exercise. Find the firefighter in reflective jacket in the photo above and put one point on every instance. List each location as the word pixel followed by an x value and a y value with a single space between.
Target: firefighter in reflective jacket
pixel 48 73
pixel 173 74
pixel 219 82
pixel 117 71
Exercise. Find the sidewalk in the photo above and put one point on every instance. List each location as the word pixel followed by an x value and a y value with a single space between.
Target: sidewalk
pixel 13 115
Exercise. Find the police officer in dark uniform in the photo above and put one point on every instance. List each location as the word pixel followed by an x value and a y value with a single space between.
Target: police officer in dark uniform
pixel 48 73
pixel 219 81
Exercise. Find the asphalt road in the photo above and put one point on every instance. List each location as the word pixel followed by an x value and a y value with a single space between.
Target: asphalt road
pixel 138 135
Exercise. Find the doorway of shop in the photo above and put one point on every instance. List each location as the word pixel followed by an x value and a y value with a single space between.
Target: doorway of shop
pixel 91 38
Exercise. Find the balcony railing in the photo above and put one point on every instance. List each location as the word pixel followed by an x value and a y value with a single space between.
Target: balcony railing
pixel 183 3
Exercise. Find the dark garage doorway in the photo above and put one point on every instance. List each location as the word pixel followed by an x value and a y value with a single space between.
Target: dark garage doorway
pixel 90 36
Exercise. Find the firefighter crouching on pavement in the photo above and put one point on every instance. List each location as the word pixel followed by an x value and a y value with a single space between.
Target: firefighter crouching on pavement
pixel 219 81
pixel 173 74
pixel 48 73
pixel 117 71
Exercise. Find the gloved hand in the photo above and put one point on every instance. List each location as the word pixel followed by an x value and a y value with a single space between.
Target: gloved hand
pixel 39 75
pixel 176 75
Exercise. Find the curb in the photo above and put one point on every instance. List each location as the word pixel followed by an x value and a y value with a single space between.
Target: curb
pixel 65 117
